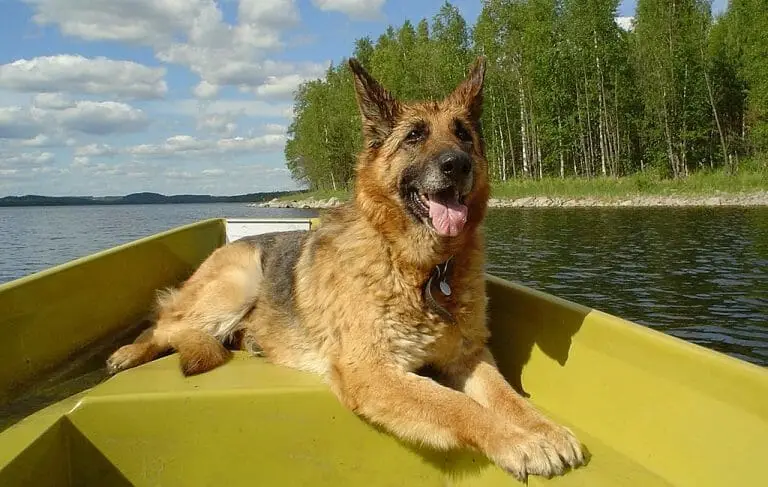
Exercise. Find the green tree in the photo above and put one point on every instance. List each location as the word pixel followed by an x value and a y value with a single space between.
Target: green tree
pixel 744 41
pixel 568 93
pixel 671 73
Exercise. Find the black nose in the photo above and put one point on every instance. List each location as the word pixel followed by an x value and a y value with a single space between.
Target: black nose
pixel 455 164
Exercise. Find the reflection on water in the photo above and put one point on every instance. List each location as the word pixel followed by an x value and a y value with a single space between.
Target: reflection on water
pixel 695 273
pixel 699 274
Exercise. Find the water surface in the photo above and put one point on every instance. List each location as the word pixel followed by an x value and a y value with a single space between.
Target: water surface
pixel 700 274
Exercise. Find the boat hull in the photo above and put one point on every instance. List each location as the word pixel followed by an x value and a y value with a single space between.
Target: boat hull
pixel 651 409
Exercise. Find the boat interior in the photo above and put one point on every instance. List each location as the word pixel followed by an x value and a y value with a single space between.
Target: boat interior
pixel 652 410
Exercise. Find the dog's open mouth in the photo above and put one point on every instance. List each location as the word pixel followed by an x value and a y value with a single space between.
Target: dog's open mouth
pixel 444 209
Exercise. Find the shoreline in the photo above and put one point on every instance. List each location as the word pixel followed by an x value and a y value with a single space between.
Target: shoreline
pixel 739 200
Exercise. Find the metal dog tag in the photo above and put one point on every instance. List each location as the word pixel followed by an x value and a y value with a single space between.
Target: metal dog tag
pixel 445 288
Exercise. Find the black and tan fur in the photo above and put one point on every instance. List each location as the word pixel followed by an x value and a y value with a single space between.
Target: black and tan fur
pixel 347 301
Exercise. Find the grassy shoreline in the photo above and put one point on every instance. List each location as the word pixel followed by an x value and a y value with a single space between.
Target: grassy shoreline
pixel 714 188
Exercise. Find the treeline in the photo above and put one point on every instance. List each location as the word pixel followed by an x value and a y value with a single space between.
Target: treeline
pixel 568 91
pixel 137 199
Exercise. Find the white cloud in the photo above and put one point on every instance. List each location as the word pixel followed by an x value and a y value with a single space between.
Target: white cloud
pixel 78 74
pixel 187 144
pixel 90 117
pixel 14 161
pixel 263 143
pixel 180 174
pixel 230 67
pixel 95 150
pixel 275 128
pixel 250 108
pixel 83 154
pixel 354 9
pixel 146 22
pixel 52 118
pixel 219 123
pixel 194 34
pixel 49 170
pixel 626 23
pixel 52 101
pixel 178 144
pixel 17 123
pixel 279 13
pixel 132 169
pixel 280 87
pixel 205 90
pixel 43 140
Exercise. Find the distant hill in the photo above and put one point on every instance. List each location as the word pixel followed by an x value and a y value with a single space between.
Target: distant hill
pixel 137 199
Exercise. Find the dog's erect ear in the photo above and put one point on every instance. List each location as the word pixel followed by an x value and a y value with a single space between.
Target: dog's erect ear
pixel 469 93
pixel 378 108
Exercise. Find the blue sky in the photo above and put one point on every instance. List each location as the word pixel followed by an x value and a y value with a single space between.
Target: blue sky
pixel 105 97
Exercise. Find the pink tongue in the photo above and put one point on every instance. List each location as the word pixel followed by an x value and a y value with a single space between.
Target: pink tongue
pixel 448 217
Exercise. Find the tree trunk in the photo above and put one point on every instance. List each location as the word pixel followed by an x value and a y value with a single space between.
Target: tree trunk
pixel 509 137
pixel 493 124
pixel 617 117
pixel 582 143
pixel 684 136
pixel 538 154
pixel 723 145
pixel 503 155
pixel 589 128
pixel 560 146
pixel 668 137
pixel 601 108
pixel 523 137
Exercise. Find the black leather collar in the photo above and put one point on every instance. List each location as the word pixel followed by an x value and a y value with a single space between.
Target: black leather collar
pixel 438 281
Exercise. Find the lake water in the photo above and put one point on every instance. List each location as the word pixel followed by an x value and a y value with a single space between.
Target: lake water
pixel 700 274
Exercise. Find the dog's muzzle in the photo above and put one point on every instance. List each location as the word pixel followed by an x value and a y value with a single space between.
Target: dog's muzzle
pixel 457 167
pixel 435 193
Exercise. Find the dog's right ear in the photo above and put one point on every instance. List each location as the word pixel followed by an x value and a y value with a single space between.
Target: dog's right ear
pixel 378 108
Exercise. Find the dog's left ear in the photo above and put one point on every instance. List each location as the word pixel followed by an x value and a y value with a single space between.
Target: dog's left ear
pixel 469 93
pixel 378 108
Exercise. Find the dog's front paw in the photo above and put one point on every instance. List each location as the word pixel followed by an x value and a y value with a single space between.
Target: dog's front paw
pixel 528 453
pixel 565 443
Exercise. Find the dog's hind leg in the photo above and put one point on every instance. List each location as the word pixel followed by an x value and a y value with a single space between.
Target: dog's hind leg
pixel 145 348
pixel 196 319
pixel 198 351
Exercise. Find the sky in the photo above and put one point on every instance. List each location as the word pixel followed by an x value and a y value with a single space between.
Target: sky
pixel 110 97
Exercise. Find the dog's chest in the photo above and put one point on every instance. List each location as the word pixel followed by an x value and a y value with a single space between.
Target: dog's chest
pixel 417 335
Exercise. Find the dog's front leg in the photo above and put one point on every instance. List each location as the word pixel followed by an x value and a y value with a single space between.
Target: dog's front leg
pixel 480 379
pixel 424 412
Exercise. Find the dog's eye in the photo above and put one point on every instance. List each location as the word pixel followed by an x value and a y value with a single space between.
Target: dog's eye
pixel 462 133
pixel 415 135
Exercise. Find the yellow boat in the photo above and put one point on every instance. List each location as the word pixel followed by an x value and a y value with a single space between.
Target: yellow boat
pixel 651 409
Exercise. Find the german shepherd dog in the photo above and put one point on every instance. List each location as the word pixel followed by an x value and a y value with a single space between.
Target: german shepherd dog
pixel 390 284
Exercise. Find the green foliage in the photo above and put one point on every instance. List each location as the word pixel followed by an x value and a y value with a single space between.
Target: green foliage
pixel 744 36
pixel 568 92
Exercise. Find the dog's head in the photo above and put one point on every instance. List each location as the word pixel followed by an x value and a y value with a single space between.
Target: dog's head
pixel 423 170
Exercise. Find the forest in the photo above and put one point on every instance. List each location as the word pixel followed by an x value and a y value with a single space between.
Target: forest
pixel 569 92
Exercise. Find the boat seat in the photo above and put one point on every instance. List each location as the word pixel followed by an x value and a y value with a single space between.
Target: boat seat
pixel 248 423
